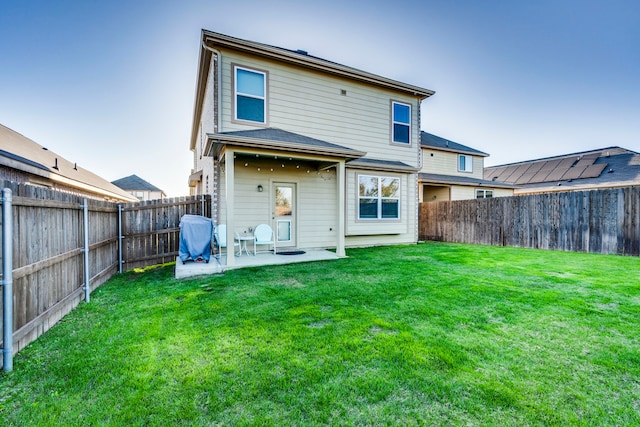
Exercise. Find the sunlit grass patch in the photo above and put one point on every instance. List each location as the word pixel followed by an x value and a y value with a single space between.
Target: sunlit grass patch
pixel 429 334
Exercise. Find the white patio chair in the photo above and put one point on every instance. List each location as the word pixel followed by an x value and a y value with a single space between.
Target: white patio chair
pixel 220 234
pixel 263 235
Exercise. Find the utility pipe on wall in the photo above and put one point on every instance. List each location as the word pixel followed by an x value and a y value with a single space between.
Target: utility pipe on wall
pixel 7 280
pixel 87 285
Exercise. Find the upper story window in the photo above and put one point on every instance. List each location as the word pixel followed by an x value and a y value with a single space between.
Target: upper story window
pixel 401 122
pixel 465 163
pixel 484 194
pixel 378 197
pixel 250 92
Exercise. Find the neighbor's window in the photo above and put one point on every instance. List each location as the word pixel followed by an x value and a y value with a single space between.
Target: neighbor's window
pixel 250 95
pixel 378 197
pixel 465 163
pixel 484 194
pixel 401 122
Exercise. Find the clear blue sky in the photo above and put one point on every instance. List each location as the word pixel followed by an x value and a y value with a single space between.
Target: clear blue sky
pixel 110 85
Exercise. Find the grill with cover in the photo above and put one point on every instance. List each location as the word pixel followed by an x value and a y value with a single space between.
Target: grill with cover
pixel 195 238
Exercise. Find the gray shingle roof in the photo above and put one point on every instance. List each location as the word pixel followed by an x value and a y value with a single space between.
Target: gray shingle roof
pixel 382 164
pixel 461 180
pixel 135 183
pixel 429 140
pixel 275 134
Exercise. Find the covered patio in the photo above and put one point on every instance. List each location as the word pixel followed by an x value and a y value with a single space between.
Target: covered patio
pixel 218 264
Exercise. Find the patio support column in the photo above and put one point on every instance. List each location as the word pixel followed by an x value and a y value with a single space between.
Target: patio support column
pixel 340 228
pixel 229 178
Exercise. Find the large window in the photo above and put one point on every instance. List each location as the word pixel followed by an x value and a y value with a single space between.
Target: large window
pixel 401 122
pixel 378 197
pixel 250 95
pixel 465 163
pixel 484 194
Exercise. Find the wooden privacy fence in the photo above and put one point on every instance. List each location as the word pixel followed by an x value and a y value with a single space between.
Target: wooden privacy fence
pixel 151 232
pixel 48 245
pixel 597 221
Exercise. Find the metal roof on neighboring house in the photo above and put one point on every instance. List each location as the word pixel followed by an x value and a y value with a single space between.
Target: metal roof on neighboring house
pixel 604 167
pixel 21 153
pixel 135 183
pixel 429 140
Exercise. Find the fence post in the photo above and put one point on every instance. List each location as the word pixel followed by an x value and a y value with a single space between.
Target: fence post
pixel 87 285
pixel 202 205
pixel 120 237
pixel 7 280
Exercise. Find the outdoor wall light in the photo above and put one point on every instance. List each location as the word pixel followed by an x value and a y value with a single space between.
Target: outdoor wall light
pixel 260 189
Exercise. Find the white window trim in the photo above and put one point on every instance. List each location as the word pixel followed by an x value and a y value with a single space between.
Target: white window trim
pixel 468 163
pixel 394 122
pixel 379 217
pixel 265 74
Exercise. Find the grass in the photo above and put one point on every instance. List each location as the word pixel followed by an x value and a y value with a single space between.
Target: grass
pixel 428 334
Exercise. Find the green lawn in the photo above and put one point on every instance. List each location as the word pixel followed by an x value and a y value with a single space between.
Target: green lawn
pixel 428 334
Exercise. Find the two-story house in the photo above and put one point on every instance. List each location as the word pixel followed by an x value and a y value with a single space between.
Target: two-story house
pixel 328 155
pixel 452 171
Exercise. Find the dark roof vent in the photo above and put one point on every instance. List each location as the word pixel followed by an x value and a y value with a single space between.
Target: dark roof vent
pixel 55 166
pixel 302 52
pixel 610 171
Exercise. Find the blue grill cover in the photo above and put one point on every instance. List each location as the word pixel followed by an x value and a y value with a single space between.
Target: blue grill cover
pixel 195 238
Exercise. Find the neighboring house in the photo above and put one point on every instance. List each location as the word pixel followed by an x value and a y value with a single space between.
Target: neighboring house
pixel 326 154
pixel 139 188
pixel 602 168
pixel 24 161
pixel 452 171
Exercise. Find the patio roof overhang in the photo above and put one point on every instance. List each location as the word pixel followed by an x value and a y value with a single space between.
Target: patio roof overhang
pixel 275 141
pixel 381 165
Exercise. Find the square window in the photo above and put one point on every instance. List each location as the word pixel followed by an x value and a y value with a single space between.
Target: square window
pixel 379 197
pixel 401 121
pixel 250 95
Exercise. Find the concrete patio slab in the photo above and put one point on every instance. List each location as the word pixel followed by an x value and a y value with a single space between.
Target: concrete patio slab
pixel 217 266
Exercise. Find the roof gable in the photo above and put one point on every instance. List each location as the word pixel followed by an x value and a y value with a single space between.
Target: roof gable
pixel 134 182
pixel 30 157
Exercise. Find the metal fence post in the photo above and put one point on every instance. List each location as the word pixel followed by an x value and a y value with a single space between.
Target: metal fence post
pixel 87 285
pixel 7 280
pixel 120 237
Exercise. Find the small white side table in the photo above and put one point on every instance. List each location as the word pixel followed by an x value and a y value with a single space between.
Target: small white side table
pixel 243 239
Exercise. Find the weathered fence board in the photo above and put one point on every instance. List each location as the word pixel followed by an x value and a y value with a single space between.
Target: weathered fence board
pixel 48 239
pixel 151 229
pixel 598 221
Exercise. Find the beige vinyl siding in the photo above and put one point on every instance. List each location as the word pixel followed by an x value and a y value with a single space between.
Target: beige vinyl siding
pixel 502 192
pixel 366 232
pixel 446 163
pixel 316 218
pixel 433 193
pixel 459 192
pixel 207 125
pixel 310 103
